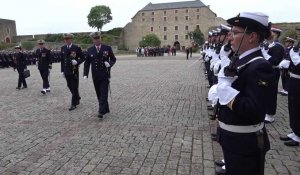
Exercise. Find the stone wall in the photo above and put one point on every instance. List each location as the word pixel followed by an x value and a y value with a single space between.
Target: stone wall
pixel 7 30
pixel 166 24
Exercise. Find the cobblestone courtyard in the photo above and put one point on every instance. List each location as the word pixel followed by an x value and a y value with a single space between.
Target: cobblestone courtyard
pixel 158 124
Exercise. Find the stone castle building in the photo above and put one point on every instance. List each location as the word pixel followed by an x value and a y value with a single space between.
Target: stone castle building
pixel 171 22
pixel 8 30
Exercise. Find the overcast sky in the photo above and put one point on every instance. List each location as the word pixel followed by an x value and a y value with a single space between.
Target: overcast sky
pixel 59 16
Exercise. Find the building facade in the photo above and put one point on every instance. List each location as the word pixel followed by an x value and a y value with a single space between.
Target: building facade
pixel 171 22
pixel 7 30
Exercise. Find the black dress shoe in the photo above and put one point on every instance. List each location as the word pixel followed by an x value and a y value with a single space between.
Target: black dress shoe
pixel 100 116
pixel 210 107
pixel 212 117
pixel 219 163
pixel 284 138
pixel 18 88
pixel 72 108
pixel 43 92
pixel 24 87
pixel 291 143
pixel 220 171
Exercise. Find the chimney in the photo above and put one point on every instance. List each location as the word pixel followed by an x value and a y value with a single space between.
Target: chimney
pixel 208 6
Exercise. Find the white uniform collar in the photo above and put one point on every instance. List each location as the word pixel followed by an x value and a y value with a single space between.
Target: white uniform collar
pixel 248 52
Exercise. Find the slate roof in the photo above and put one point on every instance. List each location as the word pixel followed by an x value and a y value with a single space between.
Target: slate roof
pixel 173 5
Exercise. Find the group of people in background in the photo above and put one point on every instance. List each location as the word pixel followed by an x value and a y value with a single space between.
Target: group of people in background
pixel 6 57
pixel 99 57
pixel 243 64
pixel 155 51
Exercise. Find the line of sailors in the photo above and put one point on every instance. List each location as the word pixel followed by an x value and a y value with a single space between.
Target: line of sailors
pixel 6 57
pixel 220 56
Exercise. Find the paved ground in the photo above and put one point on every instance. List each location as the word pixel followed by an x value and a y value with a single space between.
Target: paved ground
pixel 158 124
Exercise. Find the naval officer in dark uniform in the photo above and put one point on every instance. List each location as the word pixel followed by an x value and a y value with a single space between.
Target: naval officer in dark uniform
pixel 243 97
pixel 102 58
pixel 274 53
pixel 44 63
pixel 71 58
pixel 20 64
pixel 293 65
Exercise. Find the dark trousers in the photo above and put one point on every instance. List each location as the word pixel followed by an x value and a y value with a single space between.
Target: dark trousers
pixel 45 76
pixel 294 105
pixel 187 55
pixel 101 88
pixel 284 78
pixel 272 102
pixel 21 78
pixel 241 152
pixel 72 83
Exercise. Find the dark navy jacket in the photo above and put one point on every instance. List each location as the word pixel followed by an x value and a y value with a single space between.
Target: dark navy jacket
pixel 277 53
pixel 20 61
pixel 67 55
pixel 253 82
pixel 99 71
pixel 43 58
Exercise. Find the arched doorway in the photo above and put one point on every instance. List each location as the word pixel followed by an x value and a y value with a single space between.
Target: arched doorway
pixel 177 45
pixel 7 40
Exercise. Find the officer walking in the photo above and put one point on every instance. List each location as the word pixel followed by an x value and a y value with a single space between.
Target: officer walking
pixel 102 58
pixel 44 64
pixel 243 95
pixel 20 65
pixel 71 58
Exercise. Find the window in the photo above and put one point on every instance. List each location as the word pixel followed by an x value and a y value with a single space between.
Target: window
pixel 176 11
pixel 198 27
pixel 165 12
pixel 165 18
pixel 151 29
pixel 186 11
pixel 186 27
pixel 152 19
pixel 143 14
pixel 152 13
pixel 176 37
pixel 198 17
pixel 176 27
pixel 186 37
pixel 186 17
pixel 143 19
pixel 165 37
pixel 165 28
pixel 176 18
pixel 197 10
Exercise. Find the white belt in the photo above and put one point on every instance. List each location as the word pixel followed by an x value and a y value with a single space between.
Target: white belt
pixel 294 75
pixel 241 129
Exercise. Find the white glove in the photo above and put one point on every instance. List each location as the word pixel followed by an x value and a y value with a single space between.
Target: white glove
pixel 265 54
pixel 36 63
pixel 212 95
pixel 85 77
pixel 62 75
pixel 106 64
pixel 74 62
pixel 223 79
pixel 217 66
pixel 284 64
pixel 295 57
pixel 223 52
pixel 226 93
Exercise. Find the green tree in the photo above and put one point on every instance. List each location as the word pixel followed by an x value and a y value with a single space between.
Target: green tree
pixel 150 40
pixel 288 33
pixel 197 36
pixel 27 45
pixel 99 16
